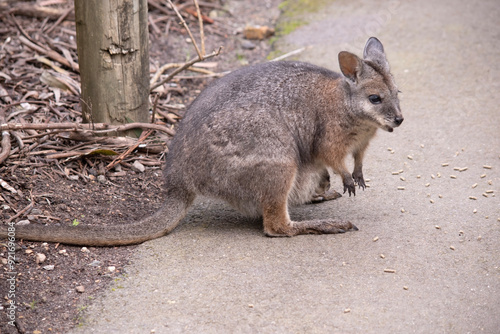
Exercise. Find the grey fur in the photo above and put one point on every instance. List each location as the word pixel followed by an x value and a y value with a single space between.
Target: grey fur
pixel 261 138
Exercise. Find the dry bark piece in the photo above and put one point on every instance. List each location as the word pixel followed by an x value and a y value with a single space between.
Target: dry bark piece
pixel 258 32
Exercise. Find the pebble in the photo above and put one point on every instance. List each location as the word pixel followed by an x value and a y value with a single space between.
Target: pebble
pixel 101 178
pixel 49 267
pixel 85 250
pixel 63 252
pixel 23 222
pixel 80 289
pixel 111 268
pixel 95 263
pixel 248 45
pixel 40 258
pixel 73 177
pixel 138 167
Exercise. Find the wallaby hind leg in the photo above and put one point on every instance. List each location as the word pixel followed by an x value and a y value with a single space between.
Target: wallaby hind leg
pixel 323 192
pixel 277 222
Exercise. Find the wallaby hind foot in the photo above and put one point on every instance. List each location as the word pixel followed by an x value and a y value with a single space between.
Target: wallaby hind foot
pixel 312 227
pixel 328 195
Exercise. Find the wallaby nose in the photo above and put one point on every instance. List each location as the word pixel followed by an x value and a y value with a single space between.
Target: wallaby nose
pixel 398 120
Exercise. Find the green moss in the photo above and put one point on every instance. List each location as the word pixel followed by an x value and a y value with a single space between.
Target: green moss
pixel 287 26
pixel 294 8
pixel 292 17
pixel 292 14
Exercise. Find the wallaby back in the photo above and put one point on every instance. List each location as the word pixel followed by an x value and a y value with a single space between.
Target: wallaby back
pixel 262 138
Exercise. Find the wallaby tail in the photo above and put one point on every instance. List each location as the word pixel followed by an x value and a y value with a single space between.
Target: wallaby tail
pixel 154 226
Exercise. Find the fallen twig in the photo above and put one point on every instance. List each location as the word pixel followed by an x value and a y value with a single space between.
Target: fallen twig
pixel 60 19
pixel 122 156
pixel 201 54
pixel 200 20
pixel 5 144
pixel 95 127
pixel 49 53
pixel 165 67
pixel 30 10
pixel 289 54
pixel 183 22
pixel 27 209
pixel 183 67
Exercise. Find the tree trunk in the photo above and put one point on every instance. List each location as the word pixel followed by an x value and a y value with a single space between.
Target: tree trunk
pixel 113 54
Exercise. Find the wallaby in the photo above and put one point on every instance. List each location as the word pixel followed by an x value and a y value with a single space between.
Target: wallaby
pixel 262 138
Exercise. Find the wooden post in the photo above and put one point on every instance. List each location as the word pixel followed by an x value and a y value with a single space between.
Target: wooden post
pixel 113 54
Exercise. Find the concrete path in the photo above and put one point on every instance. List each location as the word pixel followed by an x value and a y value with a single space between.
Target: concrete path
pixel 217 273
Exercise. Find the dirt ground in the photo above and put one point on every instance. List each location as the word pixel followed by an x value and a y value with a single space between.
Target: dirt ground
pixel 52 295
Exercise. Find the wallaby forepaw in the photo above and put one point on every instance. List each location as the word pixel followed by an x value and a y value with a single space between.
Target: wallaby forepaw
pixel 349 185
pixel 351 188
pixel 359 180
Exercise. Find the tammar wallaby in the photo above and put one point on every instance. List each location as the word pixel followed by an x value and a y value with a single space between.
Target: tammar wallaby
pixel 261 138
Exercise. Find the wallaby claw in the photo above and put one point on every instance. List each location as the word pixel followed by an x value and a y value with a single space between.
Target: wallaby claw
pixel 350 188
pixel 359 180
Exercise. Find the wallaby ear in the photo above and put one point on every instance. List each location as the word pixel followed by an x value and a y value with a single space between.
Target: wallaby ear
pixel 374 51
pixel 350 65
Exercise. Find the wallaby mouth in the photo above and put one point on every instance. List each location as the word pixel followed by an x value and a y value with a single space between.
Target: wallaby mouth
pixel 395 123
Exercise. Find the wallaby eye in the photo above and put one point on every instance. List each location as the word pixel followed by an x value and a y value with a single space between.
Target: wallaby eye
pixel 375 99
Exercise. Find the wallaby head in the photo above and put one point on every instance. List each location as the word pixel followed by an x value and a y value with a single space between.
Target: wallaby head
pixel 374 94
